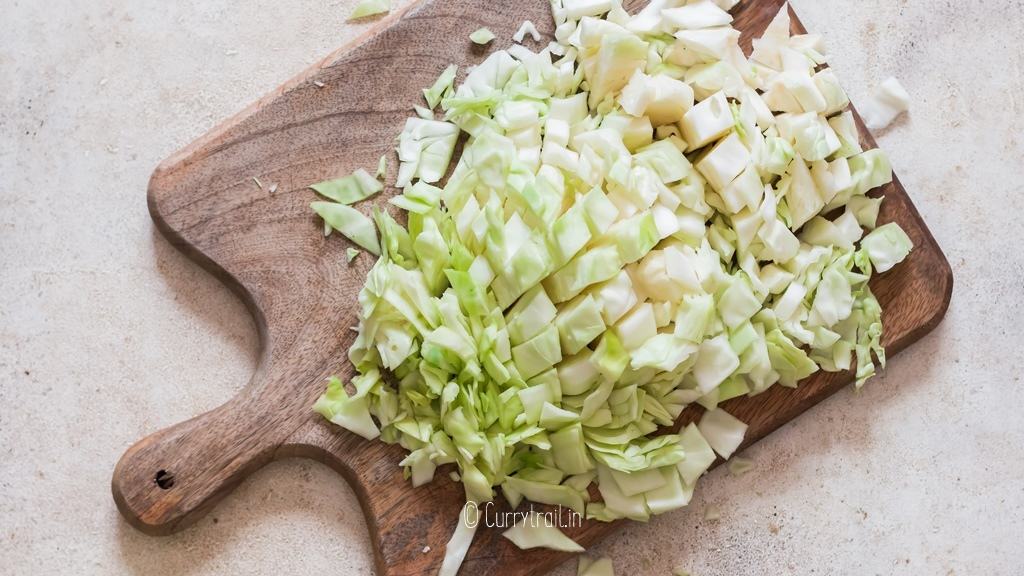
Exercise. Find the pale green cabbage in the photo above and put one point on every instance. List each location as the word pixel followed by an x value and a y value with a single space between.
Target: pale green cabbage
pixel 641 219
pixel 481 36
pixel 590 567
pixel 370 8
pixel 535 531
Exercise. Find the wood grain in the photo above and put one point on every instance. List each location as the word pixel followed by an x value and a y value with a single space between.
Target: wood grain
pixel 268 249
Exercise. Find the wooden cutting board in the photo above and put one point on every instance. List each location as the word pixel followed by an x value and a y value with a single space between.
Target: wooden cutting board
pixel 268 247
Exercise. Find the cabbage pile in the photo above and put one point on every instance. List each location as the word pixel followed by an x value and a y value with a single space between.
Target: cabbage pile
pixel 641 218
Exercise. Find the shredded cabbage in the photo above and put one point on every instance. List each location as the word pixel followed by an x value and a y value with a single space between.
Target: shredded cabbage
pixel 641 219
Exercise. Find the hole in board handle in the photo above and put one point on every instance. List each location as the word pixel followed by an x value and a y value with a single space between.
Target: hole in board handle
pixel 164 479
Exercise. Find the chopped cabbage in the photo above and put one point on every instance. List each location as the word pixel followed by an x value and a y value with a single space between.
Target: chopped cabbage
pixel 640 219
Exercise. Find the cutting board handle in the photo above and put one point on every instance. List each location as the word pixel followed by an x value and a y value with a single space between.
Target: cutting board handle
pixel 170 479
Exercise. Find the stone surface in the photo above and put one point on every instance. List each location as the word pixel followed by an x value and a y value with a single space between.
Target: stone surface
pixel 108 334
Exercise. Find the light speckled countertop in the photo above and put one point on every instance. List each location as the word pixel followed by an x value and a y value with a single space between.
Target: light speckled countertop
pixel 108 334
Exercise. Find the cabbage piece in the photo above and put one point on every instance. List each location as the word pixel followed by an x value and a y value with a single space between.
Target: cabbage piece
pixel 537 531
pixel 610 357
pixel 458 545
pixel 350 412
pixel 444 83
pixel 697 15
pixel 767 47
pixel 547 493
pixel 523 271
pixel 801 194
pixel 591 267
pixel 419 198
pixel 615 296
pixel 481 36
pixel 569 234
pixel 699 455
pixel 666 159
pixel 425 149
pixel 865 210
pixel 350 222
pixel 724 162
pixel 739 466
pixel 349 189
pixel 367 8
pixel 869 170
pixel 810 134
pixel 637 483
pixel 887 102
pixel 569 450
pixel 790 361
pixel 845 128
pixel 696 312
pixel 723 432
pixel 579 323
pixel 576 9
pixel 745 191
pixel 707 121
pixel 530 315
pixel 886 246
pixel 835 97
pixel 616 503
pixel 633 237
pixel 775 157
pixel 525 28
pixel 664 100
pixel 716 360
pixel 538 354
pixel 577 374
pixel 672 495
pixel 637 327
pixel 833 298
pixel 663 351
pixel 738 303
pixel 599 567
pixel 708 44
pixel 554 418
pixel 609 56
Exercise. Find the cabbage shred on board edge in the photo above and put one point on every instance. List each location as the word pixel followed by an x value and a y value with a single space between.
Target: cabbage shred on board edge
pixel 636 223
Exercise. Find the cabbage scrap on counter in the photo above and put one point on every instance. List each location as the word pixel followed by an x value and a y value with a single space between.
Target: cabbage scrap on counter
pixel 641 218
